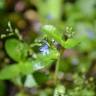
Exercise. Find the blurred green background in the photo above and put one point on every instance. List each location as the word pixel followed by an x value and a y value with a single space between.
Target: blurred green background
pixel 29 15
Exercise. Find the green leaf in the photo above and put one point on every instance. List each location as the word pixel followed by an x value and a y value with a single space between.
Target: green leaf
pixel 16 49
pixel 16 70
pixel 13 71
pixel 9 72
pixel 26 67
pixel 52 33
pixel 71 43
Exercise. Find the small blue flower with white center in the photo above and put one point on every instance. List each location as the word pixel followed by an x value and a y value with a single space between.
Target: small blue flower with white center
pixel 44 49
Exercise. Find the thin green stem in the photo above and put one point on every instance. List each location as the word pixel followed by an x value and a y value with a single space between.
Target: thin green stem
pixel 35 44
pixel 57 69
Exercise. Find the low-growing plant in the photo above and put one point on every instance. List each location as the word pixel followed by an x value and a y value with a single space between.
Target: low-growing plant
pixel 30 60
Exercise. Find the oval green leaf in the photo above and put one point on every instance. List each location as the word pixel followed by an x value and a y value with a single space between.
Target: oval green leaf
pixel 52 33
pixel 9 72
pixel 16 49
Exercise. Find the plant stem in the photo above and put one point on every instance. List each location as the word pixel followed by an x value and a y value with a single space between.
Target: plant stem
pixel 57 69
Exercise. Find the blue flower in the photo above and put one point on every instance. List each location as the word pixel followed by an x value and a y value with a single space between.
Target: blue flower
pixel 44 49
